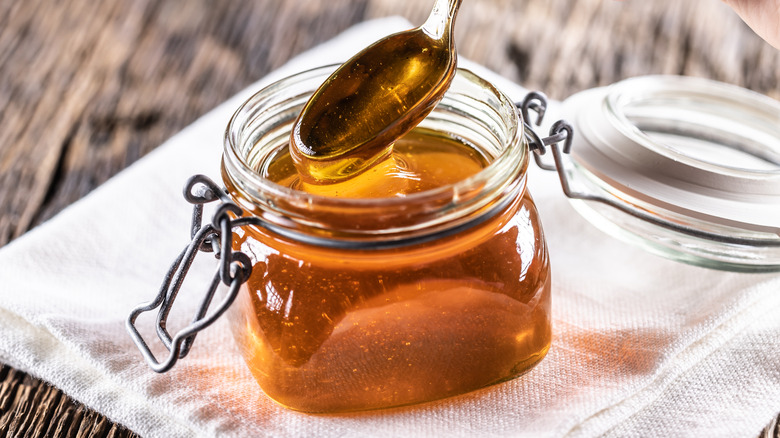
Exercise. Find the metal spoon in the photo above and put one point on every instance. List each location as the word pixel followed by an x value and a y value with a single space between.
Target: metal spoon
pixel 374 98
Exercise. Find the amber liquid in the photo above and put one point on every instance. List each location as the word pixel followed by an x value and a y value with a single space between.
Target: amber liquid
pixel 327 330
pixel 421 160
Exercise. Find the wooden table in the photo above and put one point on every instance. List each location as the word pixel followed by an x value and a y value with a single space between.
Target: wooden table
pixel 87 87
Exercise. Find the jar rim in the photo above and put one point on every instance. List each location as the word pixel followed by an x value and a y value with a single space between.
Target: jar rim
pixel 260 192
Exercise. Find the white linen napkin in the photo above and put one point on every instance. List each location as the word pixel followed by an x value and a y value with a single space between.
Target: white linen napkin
pixel 642 347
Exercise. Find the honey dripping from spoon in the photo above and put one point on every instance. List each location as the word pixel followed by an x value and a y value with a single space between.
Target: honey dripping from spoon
pixel 347 128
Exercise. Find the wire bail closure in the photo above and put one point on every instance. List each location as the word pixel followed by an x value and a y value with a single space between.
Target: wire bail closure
pixel 235 267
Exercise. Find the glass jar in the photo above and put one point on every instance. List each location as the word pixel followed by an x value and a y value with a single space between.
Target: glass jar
pixel 358 304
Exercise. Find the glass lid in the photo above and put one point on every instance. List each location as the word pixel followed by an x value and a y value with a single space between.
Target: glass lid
pixel 693 166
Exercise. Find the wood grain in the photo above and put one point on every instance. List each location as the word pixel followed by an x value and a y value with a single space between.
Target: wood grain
pixel 31 408
pixel 87 88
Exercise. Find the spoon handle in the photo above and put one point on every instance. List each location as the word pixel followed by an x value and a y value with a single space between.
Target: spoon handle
pixel 439 23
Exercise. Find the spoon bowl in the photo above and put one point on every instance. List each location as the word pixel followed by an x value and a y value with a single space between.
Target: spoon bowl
pixel 352 120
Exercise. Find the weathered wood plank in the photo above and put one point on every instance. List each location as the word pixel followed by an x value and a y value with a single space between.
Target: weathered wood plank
pixel 86 88
pixel 32 408
pixel 44 411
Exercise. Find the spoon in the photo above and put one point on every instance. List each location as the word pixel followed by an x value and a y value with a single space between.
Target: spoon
pixel 352 120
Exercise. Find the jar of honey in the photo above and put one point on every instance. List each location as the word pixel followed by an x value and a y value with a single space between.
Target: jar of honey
pixel 427 275
pixel 367 302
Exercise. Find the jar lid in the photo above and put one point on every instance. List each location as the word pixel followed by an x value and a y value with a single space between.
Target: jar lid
pixel 691 154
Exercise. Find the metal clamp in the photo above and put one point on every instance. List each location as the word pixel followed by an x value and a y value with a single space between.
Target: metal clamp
pixel 234 269
pixel 561 131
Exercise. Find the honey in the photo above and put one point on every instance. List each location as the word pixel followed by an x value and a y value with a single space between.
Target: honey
pixel 421 160
pixel 424 276
pixel 330 331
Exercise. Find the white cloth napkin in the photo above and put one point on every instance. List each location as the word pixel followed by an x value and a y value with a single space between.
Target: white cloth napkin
pixel 643 346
